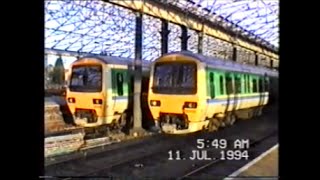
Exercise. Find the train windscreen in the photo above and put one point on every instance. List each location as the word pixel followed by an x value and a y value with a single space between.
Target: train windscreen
pixel 175 78
pixel 86 78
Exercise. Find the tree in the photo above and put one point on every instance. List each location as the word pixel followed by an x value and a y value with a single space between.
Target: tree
pixel 58 72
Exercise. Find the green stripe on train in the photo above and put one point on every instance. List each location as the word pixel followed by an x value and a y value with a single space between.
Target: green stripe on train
pixel 219 83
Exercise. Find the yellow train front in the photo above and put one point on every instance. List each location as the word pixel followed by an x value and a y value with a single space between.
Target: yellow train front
pixel 190 92
pixel 100 90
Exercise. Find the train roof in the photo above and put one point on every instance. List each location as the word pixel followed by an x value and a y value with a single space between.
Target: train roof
pixel 226 65
pixel 114 60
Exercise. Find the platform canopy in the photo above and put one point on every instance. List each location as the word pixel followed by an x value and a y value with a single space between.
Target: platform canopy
pixel 97 27
pixel 258 17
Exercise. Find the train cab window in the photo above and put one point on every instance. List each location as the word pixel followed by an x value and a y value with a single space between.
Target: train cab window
pixel 86 78
pixel 221 85
pixel 254 84
pixel 229 84
pixel 175 78
pixel 261 84
pixel 211 82
pixel 120 84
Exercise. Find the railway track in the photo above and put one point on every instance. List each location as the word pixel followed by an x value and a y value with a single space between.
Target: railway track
pixel 141 154
pixel 159 163
pixel 197 171
pixel 64 141
pixel 152 156
pixel 96 146
pixel 101 161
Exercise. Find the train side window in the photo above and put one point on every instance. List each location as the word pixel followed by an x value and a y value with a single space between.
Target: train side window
pixel 248 84
pixel 261 84
pixel 120 84
pixel 229 84
pixel 221 85
pixel 266 85
pixel 212 89
pixel 238 84
pixel 245 83
pixel 254 84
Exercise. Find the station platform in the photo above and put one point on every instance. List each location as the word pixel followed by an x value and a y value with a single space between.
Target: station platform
pixel 264 166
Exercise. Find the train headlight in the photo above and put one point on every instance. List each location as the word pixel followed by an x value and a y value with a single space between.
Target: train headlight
pixel 97 101
pixel 155 103
pixel 190 105
pixel 71 100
